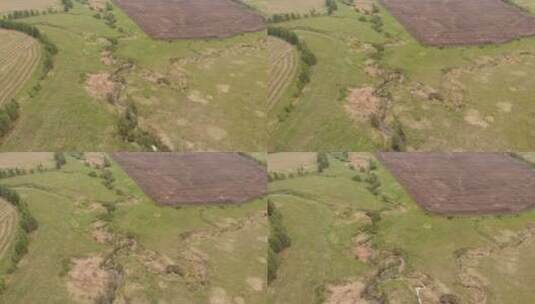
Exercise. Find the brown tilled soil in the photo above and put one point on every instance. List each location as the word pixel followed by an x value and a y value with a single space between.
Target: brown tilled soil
pixel 461 22
pixel 195 178
pixel 185 19
pixel 464 183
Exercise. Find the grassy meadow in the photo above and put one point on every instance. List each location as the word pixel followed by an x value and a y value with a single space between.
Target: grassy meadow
pixel 189 94
pixel 453 98
pixel 351 240
pixel 152 253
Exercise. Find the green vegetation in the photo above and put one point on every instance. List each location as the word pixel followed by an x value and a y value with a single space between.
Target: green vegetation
pixel 189 94
pixel 104 226
pixel 9 113
pixel 356 234
pixel 278 240
pixel 26 224
pixel 376 88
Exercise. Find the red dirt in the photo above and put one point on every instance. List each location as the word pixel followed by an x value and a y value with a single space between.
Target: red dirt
pixel 189 19
pixel 464 183
pixel 462 22
pixel 195 178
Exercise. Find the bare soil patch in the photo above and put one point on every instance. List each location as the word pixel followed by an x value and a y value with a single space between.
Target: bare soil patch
pixel 346 293
pixel 359 161
pixel 464 183
pixel 98 5
pixel 95 159
pixel 364 6
pixel 89 282
pixel 100 85
pixel 184 19
pixel 100 232
pixel 460 22
pixel 362 249
pixel 195 178
pixel 257 284
pixel 474 118
pixel 362 103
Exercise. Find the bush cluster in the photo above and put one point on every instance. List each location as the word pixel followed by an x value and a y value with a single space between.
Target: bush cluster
pixel 67 5
pixel 27 224
pixel 277 18
pixel 60 160
pixel 278 240
pixel 323 161
pixel 129 131
pixel 9 113
pixel 331 6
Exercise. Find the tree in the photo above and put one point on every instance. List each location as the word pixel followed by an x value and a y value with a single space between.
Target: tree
pixel 67 5
pixel 323 161
pixel 60 160
pixel 331 6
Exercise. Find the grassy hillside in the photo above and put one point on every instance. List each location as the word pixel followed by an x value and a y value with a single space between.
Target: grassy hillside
pixel 188 95
pixel 353 240
pixel 375 87
pixel 98 242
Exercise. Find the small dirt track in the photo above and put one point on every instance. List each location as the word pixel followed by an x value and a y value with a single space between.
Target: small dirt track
pixel 187 19
pixel 461 22
pixel 195 178
pixel 464 183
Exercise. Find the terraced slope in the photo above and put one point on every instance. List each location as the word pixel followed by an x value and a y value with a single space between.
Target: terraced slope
pixel 19 55
pixel 282 67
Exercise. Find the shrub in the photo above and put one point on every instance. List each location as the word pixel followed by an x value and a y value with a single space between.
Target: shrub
pixel 60 160
pixel 273 265
pixel 323 161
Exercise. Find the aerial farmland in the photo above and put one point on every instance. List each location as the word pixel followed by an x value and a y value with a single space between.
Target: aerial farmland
pixel 76 228
pixel 404 76
pixel 120 75
pixel 355 231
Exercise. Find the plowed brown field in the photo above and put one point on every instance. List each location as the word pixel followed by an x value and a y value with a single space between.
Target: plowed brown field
pixel 464 183
pixel 195 178
pixel 184 19
pixel 461 22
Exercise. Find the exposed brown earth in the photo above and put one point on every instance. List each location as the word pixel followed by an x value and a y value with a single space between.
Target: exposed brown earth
pixel 362 103
pixel 464 183
pixel 460 22
pixel 90 282
pixel 184 19
pixel 195 178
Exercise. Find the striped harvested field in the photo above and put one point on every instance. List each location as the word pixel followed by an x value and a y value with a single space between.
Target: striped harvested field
pixel 282 68
pixel 8 226
pixel 26 160
pixel 20 5
pixel 19 55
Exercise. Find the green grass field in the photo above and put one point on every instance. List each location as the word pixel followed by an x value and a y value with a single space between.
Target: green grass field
pixel 191 94
pixel 452 98
pixel 350 244
pixel 159 254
